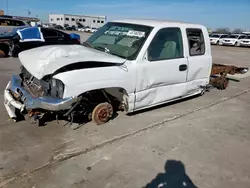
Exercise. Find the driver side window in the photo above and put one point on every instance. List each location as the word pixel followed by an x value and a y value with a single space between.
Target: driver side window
pixel 167 44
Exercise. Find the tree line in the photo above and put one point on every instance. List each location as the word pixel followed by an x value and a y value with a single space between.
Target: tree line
pixel 225 30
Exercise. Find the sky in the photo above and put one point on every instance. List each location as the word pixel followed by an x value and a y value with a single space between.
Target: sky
pixel 211 13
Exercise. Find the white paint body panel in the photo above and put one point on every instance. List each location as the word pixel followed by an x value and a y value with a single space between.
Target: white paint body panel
pixel 46 60
pixel 245 42
pixel 147 83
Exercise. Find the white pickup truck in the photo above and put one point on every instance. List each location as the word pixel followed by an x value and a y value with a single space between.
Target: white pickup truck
pixel 126 65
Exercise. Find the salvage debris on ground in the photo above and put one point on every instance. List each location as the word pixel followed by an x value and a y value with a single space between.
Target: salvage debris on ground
pixel 219 74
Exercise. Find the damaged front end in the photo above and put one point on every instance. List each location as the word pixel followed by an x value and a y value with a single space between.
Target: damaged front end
pixel 27 94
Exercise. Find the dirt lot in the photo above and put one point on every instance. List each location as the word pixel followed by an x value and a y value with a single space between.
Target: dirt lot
pixel 200 142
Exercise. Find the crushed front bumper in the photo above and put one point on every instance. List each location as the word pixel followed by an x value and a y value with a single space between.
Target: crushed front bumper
pixel 25 101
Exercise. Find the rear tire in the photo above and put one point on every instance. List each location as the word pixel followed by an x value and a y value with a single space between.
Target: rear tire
pixel 236 44
pixel 223 83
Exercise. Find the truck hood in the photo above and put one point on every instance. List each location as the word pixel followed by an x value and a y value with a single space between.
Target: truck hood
pixel 46 60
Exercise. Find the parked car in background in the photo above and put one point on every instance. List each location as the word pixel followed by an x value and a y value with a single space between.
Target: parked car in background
pixel 216 38
pixel 87 29
pixel 80 29
pixel 245 41
pixel 9 26
pixel 51 37
pixel 232 40
pixel 70 28
pixel 59 27
pixel 93 30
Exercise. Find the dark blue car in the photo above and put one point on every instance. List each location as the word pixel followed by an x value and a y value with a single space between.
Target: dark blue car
pixel 50 37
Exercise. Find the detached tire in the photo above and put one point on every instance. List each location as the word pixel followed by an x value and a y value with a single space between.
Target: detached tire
pixel 223 83
pixel 102 113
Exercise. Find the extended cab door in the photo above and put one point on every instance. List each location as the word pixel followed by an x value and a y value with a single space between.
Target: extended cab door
pixel 199 57
pixel 163 71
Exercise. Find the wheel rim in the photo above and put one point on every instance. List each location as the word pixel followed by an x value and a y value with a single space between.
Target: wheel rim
pixel 103 115
pixel 2 54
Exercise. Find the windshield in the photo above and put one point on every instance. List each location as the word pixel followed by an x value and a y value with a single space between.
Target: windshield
pixel 224 36
pixel 215 36
pixel 120 39
pixel 233 36
pixel 247 37
pixel 242 37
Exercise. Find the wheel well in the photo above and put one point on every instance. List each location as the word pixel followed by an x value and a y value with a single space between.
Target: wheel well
pixel 5 48
pixel 117 96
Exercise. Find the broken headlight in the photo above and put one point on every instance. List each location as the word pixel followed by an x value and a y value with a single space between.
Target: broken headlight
pixel 56 88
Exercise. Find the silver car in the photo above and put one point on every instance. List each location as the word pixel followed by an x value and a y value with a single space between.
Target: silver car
pixel 9 26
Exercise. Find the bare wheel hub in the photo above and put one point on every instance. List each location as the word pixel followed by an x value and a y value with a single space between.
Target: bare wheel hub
pixel 102 113
pixel 2 54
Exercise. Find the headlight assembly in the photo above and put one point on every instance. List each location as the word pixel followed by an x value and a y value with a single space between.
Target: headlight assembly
pixel 56 88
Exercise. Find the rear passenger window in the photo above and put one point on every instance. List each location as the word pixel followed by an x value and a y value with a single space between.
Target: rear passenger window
pixel 196 42
pixel 167 44
pixel 49 33
pixel 9 22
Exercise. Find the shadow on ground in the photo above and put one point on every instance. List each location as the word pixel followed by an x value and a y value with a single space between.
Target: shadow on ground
pixel 174 177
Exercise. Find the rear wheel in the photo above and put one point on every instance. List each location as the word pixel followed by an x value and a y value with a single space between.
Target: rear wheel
pixel 236 44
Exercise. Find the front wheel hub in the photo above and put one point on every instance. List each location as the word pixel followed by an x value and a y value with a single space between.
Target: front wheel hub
pixel 2 54
pixel 102 113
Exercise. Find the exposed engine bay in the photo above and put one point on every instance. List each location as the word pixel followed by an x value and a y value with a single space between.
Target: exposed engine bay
pixel 45 87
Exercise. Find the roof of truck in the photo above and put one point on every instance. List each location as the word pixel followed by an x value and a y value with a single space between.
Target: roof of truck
pixel 156 23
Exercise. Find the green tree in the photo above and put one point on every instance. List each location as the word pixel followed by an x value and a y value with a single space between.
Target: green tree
pixel 237 30
pixel 222 30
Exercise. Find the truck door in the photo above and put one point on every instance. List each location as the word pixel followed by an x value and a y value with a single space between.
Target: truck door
pixel 199 57
pixel 162 73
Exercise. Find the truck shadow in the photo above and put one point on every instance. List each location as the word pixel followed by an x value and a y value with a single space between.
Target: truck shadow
pixel 174 177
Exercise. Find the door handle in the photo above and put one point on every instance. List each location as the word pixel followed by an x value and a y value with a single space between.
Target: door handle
pixel 182 67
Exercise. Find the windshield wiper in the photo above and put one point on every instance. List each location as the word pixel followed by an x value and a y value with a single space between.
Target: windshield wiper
pixel 87 44
pixel 105 49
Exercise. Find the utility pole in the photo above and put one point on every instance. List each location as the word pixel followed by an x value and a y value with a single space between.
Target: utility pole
pixel 7 7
